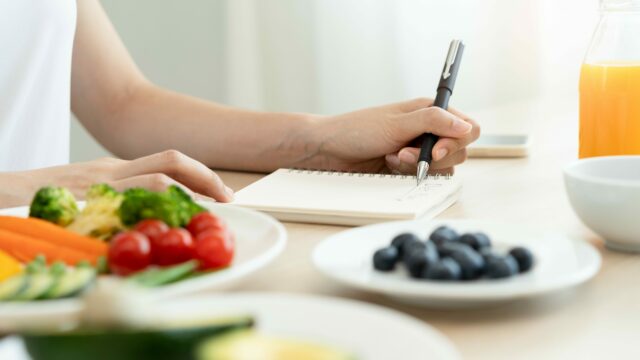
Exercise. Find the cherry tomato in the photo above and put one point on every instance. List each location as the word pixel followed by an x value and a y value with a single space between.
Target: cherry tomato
pixel 129 252
pixel 204 221
pixel 214 248
pixel 152 228
pixel 172 247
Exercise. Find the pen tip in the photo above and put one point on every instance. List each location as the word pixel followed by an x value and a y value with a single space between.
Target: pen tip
pixel 423 168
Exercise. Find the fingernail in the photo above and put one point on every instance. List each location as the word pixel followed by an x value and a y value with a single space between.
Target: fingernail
pixel 228 191
pixel 203 197
pixel 461 126
pixel 440 154
pixel 393 160
pixel 407 157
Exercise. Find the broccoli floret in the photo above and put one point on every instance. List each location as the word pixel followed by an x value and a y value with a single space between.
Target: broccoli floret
pixel 101 190
pixel 173 206
pixel 54 204
pixel 184 200
pixel 99 218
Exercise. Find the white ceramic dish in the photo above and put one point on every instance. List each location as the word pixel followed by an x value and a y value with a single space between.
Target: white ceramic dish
pixel 370 332
pixel 259 240
pixel 605 193
pixel 560 264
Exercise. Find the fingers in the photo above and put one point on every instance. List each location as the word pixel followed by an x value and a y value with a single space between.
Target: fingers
pixel 420 116
pixel 459 113
pixel 433 120
pixel 446 146
pixel 405 161
pixel 153 182
pixel 455 134
pixel 181 169
pixel 415 104
pixel 423 103
pixel 454 159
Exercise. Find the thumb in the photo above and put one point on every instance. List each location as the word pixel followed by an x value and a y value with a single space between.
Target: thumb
pixel 432 120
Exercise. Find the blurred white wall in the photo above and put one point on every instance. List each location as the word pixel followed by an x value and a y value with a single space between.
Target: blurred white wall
pixel 177 46
pixel 330 56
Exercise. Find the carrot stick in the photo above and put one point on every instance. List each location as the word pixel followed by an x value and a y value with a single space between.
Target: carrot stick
pixel 27 248
pixel 18 255
pixel 52 233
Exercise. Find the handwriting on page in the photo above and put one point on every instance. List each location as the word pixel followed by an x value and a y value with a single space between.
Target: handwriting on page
pixel 420 191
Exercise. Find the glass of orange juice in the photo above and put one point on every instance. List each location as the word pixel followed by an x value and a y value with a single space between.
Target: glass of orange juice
pixel 610 83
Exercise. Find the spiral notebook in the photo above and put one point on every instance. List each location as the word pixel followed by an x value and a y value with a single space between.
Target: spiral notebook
pixel 347 198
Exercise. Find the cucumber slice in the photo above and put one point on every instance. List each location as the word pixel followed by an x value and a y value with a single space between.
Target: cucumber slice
pixel 37 285
pixel 57 268
pixel 39 264
pixel 12 287
pixel 161 276
pixel 71 283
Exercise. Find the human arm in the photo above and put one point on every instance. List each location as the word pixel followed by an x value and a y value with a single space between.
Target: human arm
pixel 132 117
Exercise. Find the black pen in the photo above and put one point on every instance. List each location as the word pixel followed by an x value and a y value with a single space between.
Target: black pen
pixel 445 89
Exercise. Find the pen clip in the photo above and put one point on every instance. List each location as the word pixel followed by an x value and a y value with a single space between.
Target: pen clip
pixel 451 58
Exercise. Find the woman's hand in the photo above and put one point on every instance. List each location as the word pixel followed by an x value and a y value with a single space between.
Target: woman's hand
pixel 372 140
pixel 379 139
pixel 154 172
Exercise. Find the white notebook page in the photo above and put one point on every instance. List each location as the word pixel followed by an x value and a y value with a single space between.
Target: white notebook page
pixel 300 195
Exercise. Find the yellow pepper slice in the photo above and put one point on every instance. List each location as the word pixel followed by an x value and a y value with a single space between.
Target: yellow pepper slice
pixel 9 266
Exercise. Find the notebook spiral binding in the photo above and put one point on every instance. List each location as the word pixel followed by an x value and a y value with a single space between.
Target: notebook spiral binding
pixel 358 174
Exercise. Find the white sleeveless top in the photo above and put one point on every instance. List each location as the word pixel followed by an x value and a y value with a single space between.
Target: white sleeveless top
pixel 36 42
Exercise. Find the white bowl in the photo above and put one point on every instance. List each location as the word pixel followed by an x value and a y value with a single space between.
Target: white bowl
pixel 605 193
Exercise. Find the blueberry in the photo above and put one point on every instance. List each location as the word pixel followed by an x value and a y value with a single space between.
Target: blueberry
pixel 447 248
pixel 524 257
pixel 476 240
pixel 432 250
pixel 443 234
pixel 488 254
pixel 471 263
pixel 444 270
pixel 501 267
pixel 385 259
pixel 411 247
pixel 403 239
pixel 420 258
pixel 416 263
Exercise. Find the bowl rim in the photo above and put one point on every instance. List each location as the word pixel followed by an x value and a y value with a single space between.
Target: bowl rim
pixel 571 170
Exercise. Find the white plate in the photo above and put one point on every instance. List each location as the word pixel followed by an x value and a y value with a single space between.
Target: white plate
pixel 354 326
pixel 560 263
pixel 351 325
pixel 357 327
pixel 259 239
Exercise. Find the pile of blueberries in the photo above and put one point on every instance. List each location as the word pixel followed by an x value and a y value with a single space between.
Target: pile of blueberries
pixel 448 256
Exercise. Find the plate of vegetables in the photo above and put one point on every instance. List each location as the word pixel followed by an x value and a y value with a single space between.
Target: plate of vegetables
pixel 243 326
pixel 58 248
pixel 456 263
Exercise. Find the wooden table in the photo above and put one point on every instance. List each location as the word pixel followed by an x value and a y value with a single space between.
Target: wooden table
pixel 598 320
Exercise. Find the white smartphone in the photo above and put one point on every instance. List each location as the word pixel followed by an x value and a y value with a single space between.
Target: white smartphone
pixel 512 145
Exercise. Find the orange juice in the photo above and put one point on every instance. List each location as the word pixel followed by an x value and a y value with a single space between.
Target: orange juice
pixel 609 110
